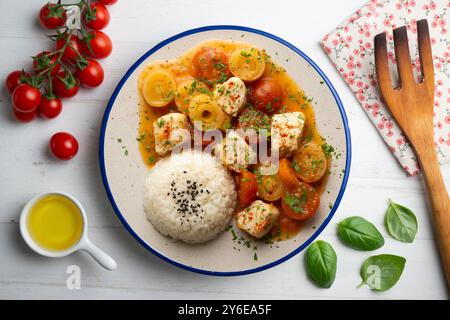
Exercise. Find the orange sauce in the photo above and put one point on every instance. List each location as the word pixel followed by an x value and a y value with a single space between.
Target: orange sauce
pixel 294 99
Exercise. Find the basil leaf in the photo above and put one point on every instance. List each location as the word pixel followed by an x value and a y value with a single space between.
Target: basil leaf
pixel 360 234
pixel 401 222
pixel 321 263
pixel 382 272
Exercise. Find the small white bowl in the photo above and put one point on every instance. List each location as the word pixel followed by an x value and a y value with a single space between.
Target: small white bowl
pixel 83 244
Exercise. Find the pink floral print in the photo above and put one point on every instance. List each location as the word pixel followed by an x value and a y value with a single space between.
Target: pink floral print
pixel 350 48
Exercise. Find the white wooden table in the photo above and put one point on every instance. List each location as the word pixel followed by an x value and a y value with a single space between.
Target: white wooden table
pixel 136 26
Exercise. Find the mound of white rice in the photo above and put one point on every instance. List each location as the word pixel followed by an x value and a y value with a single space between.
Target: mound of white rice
pixel 189 197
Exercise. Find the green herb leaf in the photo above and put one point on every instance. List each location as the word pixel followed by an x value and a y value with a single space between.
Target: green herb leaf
pixel 321 263
pixel 328 150
pixel 401 222
pixel 360 234
pixel 382 272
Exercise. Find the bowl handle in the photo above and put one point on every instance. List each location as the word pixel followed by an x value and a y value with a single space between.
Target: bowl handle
pixel 99 255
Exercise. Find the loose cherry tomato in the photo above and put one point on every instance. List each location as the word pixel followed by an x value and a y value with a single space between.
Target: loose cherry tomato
pixel 211 64
pixel 266 94
pixel 97 44
pixel 14 79
pixel 24 116
pixel 50 106
pixel 248 188
pixel 91 75
pixel 65 85
pixel 301 203
pixel 26 98
pixel 96 16
pixel 63 145
pixel 108 2
pixel 52 15
pixel 73 50
pixel 44 61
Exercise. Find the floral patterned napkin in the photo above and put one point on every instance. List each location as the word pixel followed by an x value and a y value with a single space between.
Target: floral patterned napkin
pixel 350 48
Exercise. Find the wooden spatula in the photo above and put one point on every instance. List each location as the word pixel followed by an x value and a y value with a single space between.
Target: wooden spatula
pixel 412 104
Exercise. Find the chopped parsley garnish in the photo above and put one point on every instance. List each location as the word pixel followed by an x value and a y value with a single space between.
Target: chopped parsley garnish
pixel 245 54
pixel 160 123
pixel 220 66
pixel 141 137
pixel 328 149
pixel 234 234
pixel 296 202
pixel 296 167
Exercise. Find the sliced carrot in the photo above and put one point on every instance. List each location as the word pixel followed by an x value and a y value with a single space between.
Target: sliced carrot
pixel 287 174
pixel 248 188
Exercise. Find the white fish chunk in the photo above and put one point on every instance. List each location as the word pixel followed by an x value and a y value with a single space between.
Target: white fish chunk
pixel 258 219
pixel 170 130
pixel 286 132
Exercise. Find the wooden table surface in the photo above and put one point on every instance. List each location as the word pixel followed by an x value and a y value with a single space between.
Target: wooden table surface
pixel 136 26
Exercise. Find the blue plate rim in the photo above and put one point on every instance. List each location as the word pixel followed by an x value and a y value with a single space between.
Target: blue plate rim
pixel 199 30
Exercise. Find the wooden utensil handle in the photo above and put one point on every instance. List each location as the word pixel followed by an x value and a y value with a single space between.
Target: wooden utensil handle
pixel 440 204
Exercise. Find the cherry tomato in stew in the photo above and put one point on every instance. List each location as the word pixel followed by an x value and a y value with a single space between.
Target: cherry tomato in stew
pixel 301 203
pixel 266 94
pixel 211 64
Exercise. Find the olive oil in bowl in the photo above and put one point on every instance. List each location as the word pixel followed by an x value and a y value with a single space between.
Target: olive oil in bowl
pixel 55 223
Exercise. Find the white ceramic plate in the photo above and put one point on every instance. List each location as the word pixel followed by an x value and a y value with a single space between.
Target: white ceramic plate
pixel 123 175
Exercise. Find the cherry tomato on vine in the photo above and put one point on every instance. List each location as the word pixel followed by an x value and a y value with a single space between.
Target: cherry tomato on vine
pixel 96 16
pixel 266 94
pixel 74 45
pixel 14 79
pixel 97 44
pixel 24 116
pixel 63 145
pixel 26 98
pixel 50 106
pixel 52 16
pixel 108 2
pixel 91 73
pixel 65 85
pixel 46 60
